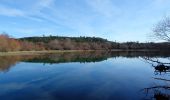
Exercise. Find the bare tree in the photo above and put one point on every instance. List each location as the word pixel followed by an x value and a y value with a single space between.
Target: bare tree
pixel 55 44
pixel 162 29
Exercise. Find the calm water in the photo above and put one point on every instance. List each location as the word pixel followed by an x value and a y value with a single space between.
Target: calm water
pixel 85 76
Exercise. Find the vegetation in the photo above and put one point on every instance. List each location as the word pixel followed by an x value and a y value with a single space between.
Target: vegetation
pixel 72 43
pixel 162 29
pixel 8 44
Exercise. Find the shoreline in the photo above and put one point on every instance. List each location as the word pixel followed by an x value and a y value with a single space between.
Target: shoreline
pixel 37 52
pixel 68 51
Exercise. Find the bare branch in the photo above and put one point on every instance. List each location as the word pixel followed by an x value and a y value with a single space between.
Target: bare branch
pixel 162 30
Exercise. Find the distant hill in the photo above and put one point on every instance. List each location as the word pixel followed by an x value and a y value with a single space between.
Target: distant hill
pixel 69 43
pixel 91 43
pixel 47 39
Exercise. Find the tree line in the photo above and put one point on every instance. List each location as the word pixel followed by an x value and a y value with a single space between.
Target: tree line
pixel 11 44
pixel 72 43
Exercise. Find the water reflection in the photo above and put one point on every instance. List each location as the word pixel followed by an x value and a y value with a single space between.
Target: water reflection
pixel 160 65
pixel 159 93
pixel 6 62
pixel 83 57
pixel 99 75
pixel 161 89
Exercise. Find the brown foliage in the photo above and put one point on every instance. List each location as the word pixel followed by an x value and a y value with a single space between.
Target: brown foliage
pixel 8 44
pixel 29 46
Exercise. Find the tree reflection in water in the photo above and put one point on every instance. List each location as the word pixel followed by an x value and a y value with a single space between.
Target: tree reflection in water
pixel 159 65
pixel 83 57
pixel 159 91
pixel 6 62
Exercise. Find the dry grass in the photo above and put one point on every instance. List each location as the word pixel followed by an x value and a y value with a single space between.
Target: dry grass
pixel 39 52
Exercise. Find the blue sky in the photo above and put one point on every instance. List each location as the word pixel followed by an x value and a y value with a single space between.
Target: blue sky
pixel 116 20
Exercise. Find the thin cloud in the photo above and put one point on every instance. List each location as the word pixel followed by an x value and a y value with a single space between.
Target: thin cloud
pixel 42 4
pixel 12 12
pixel 104 7
pixel 103 18
pixel 29 14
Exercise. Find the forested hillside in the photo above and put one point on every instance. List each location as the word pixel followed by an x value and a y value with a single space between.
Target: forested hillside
pixel 72 43
pixel 69 43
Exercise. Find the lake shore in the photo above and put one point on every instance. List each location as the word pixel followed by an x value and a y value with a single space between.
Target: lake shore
pixel 65 51
pixel 38 52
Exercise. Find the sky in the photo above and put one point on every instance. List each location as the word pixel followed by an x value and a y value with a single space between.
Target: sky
pixel 115 20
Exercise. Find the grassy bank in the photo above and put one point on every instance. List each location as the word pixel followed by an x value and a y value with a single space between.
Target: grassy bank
pixel 38 52
pixel 64 51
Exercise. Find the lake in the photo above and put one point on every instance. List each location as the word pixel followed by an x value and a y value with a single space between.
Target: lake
pixel 95 75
